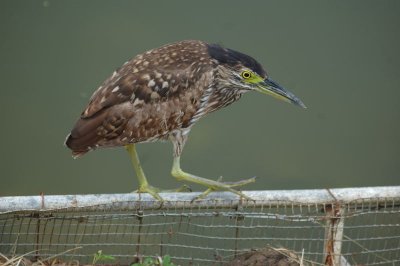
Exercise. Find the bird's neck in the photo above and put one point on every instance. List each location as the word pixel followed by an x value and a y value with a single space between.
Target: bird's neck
pixel 223 95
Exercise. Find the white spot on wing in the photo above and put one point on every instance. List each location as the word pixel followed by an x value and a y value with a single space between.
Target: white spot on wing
pixel 158 75
pixel 103 99
pixel 154 95
pixel 146 77
pixel 137 101
pixel 115 89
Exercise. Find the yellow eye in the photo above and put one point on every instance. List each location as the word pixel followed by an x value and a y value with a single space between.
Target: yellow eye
pixel 246 74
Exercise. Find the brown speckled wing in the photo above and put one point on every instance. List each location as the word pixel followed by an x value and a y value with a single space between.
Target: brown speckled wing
pixel 147 98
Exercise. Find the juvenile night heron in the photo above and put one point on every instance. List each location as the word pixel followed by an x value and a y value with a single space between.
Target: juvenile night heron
pixel 161 94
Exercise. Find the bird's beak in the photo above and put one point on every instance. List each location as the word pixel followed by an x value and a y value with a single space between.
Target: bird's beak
pixel 270 87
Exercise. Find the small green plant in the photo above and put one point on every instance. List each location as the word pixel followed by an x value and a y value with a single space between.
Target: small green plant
pixel 99 256
pixel 164 261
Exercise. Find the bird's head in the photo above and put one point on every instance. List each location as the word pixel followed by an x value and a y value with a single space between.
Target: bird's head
pixel 245 73
pixel 251 80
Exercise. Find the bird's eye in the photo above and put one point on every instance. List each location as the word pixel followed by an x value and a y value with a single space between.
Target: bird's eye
pixel 246 74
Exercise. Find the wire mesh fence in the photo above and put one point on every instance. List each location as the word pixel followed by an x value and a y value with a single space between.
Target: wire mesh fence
pixel 355 226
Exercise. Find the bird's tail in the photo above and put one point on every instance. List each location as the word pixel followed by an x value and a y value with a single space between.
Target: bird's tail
pixel 83 136
pixel 69 142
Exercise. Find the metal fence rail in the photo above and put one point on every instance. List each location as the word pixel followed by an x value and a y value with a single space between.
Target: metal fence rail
pixel 351 226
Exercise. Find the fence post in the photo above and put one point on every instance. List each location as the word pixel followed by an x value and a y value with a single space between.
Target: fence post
pixel 333 234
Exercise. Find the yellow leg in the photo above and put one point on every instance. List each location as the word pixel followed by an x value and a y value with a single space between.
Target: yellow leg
pixel 144 186
pixel 212 185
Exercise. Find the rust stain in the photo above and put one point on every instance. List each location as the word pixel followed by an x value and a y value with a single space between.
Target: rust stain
pixel 333 215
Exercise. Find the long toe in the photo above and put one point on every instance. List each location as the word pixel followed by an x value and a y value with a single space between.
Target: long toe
pixel 240 182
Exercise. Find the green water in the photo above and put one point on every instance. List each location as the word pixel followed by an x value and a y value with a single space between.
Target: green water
pixel 341 58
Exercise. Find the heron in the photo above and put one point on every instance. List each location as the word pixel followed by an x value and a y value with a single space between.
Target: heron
pixel 160 94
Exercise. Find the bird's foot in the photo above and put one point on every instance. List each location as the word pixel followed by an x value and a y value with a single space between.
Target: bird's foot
pixel 210 184
pixel 154 191
pixel 151 190
pixel 229 184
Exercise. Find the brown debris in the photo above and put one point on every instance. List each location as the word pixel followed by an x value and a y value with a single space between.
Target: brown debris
pixel 266 256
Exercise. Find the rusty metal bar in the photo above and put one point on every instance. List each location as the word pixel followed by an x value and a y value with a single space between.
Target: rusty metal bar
pixel 333 234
